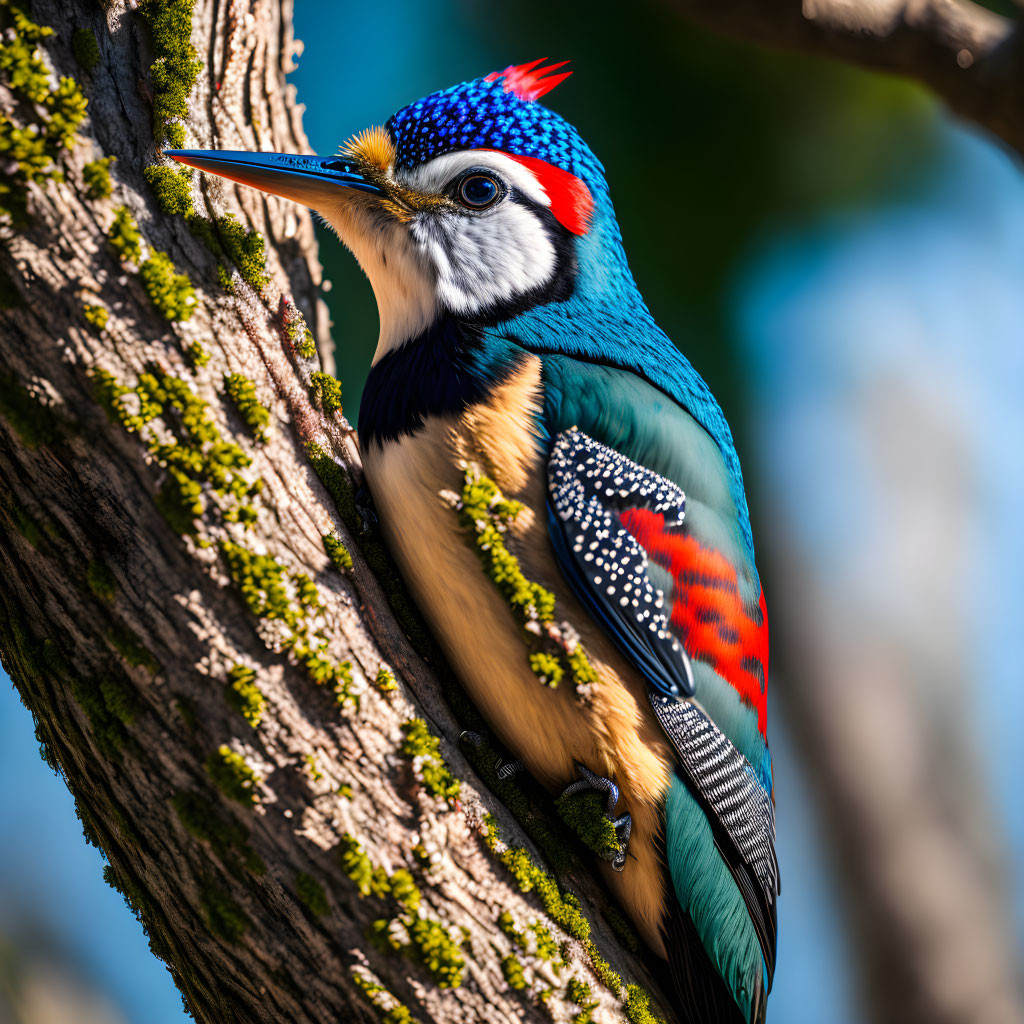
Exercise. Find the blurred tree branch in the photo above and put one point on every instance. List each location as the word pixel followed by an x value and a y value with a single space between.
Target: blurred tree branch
pixel 878 689
pixel 970 56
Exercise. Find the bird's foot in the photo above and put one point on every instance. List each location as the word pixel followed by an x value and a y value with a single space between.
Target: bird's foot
pixel 366 509
pixel 598 827
pixel 502 769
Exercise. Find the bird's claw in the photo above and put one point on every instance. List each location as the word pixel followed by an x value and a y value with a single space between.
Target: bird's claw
pixel 503 769
pixel 623 823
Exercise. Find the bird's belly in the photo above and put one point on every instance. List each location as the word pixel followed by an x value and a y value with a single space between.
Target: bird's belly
pixel 413 481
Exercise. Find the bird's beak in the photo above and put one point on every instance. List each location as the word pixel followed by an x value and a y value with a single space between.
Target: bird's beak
pixel 313 181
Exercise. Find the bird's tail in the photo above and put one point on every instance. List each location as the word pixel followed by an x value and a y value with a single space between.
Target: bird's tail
pixel 717 970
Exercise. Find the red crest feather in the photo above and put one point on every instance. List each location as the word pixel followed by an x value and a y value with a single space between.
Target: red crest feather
pixel 529 81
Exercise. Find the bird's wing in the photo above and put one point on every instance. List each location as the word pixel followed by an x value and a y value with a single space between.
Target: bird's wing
pixel 590 488
pixel 596 499
pixel 646 530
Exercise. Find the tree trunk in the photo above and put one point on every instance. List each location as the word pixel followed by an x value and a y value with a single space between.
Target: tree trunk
pixel 211 677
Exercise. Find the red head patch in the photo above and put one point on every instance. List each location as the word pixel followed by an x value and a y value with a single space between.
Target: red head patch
pixel 571 201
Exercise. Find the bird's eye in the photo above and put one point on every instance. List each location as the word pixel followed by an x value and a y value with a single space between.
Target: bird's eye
pixel 478 191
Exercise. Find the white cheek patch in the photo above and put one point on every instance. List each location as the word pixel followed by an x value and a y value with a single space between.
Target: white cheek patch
pixel 494 256
pixel 484 259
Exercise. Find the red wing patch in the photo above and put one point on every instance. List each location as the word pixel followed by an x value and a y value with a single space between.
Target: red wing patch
pixel 714 623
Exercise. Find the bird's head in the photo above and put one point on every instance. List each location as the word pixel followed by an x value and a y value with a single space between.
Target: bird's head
pixel 472 202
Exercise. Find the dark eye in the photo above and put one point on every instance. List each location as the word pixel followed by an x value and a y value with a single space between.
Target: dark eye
pixel 478 191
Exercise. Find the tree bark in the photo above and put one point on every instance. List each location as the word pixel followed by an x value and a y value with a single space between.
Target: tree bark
pixel 257 858
pixel 971 57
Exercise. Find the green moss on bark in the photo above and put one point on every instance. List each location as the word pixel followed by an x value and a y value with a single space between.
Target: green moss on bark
pixel 175 68
pixel 86 48
pixel 124 236
pixel 130 647
pixel 97 316
pixel 245 248
pixel 562 907
pixel 311 894
pixel 27 526
pixel 425 941
pixel 327 391
pixel 110 707
pixel 232 775
pixel 96 175
pixel 299 334
pixel 197 457
pixel 244 695
pixel 172 187
pixel 584 813
pixel 526 810
pixel 390 1010
pixel 101 580
pixel 424 748
pixel 337 553
pixel 359 868
pixel 385 681
pixel 196 355
pixel 242 393
pixel 172 293
pixel 638 1007
pixel 29 151
pixel 512 969
pixel 375 881
pixel 223 914
pixel 271 592
pixel 577 991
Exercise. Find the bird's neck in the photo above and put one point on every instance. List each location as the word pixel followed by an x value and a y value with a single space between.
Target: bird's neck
pixel 447 368
pixel 431 362
pixel 604 318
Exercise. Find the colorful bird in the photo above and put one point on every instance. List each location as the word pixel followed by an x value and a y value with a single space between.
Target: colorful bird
pixel 562 494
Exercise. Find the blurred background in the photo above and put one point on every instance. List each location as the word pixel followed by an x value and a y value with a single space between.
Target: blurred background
pixel 844 264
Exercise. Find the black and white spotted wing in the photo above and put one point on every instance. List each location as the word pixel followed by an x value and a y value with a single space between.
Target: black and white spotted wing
pixel 739 809
pixel 588 483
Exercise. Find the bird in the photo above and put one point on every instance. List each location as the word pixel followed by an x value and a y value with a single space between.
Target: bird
pixel 564 499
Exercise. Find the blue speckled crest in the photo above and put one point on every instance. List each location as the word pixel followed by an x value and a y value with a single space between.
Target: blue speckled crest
pixel 481 114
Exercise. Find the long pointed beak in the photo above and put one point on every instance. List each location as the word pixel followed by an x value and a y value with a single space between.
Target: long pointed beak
pixel 310 180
